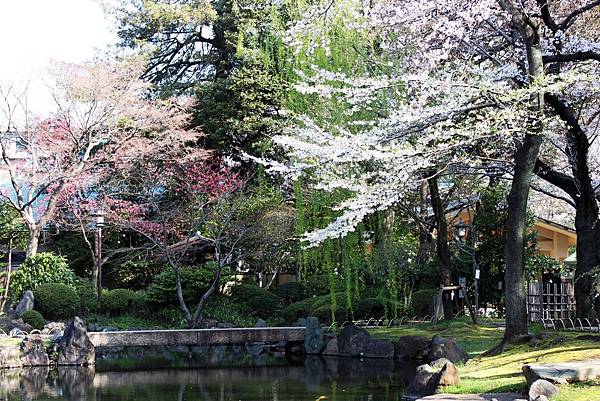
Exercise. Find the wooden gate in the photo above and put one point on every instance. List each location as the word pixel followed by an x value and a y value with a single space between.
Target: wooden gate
pixel 550 300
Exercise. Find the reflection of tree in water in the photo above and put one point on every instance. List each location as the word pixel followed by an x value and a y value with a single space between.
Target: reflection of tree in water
pixel 66 383
pixel 340 379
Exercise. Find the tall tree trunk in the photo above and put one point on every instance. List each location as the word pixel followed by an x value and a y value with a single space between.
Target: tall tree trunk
pixel 525 159
pixel 514 277
pixel 34 239
pixel 580 188
pixel 424 232
pixel 444 271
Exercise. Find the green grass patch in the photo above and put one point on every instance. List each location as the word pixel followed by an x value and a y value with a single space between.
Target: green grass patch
pixel 503 373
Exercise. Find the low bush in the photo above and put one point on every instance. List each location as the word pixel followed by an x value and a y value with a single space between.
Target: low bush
pixel 56 300
pixel 324 314
pixel 88 299
pixel 422 301
pixel 317 285
pixel 121 300
pixel 340 300
pixel 195 280
pixel 244 292
pixel 264 306
pixel 372 307
pixel 225 309
pixel 291 292
pixel 295 311
pixel 42 268
pixel 34 319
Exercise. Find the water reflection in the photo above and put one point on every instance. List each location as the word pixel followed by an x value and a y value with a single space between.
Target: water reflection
pixel 309 379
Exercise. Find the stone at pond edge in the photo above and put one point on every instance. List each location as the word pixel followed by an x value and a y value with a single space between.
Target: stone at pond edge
pixel 75 347
pixel 424 383
pixel 562 373
pixel 411 347
pixel 448 376
pixel 446 348
pixel 357 342
pixel 313 336
pixel 331 348
pixel 10 357
pixel 33 351
pixel 541 389
pixel 25 304
pixel 260 323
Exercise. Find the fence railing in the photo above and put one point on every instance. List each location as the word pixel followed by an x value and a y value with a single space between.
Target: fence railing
pixel 572 324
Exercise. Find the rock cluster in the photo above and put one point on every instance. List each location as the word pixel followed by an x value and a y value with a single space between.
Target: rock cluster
pixel 71 348
pixel 356 342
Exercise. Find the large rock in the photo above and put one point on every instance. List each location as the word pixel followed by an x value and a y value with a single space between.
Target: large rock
pixel 25 304
pixel 410 348
pixel 424 383
pixel 33 351
pixel 331 349
pixel 313 336
pixel 75 347
pixel 357 342
pixel 541 389
pixel 10 357
pixel 446 348
pixel 449 375
pixel 561 373
pixel 352 340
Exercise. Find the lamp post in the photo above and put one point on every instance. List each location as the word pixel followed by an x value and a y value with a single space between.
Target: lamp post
pixel 462 230
pixel 99 219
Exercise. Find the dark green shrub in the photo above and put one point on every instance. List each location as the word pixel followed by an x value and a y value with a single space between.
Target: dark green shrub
pixel 422 301
pixel 291 292
pixel 225 309
pixel 324 314
pixel 88 299
pixel 317 285
pixel 135 275
pixel 340 300
pixel 372 307
pixel 162 293
pixel 34 319
pixel 121 300
pixel 42 268
pixel 264 306
pixel 56 300
pixel 244 292
pixel 295 311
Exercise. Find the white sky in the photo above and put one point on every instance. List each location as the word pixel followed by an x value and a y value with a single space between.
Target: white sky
pixel 34 32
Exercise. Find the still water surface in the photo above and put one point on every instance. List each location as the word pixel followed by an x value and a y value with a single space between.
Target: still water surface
pixel 314 378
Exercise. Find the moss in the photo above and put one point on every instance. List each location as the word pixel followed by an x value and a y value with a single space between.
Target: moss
pixel 503 373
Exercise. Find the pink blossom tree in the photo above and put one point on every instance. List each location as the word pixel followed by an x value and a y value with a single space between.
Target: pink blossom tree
pixel 102 124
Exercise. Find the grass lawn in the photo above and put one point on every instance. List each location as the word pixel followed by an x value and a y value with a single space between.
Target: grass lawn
pixel 503 373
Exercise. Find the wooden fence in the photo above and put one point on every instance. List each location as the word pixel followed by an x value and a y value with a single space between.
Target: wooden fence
pixel 550 300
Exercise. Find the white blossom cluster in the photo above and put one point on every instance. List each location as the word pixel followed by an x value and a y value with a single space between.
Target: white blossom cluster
pixel 459 82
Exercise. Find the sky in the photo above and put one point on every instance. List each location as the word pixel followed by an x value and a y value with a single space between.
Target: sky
pixel 34 32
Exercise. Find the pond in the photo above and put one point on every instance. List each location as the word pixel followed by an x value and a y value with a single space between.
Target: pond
pixel 310 379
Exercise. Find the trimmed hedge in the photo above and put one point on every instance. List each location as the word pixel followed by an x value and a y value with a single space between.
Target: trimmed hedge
pixel 295 311
pixel 34 319
pixel 121 300
pixel 56 300
pixel 372 307
pixel 88 300
pixel 264 306
pixel 162 293
pixel 422 301
pixel 244 292
pixel 291 292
